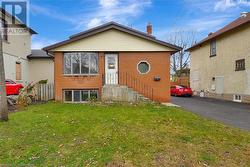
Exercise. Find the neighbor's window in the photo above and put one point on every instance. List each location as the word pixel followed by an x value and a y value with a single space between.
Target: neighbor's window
pixel 237 98
pixel 4 29
pixel 18 71
pixel 240 65
pixel 143 67
pixel 80 63
pixel 213 48
pixel 80 95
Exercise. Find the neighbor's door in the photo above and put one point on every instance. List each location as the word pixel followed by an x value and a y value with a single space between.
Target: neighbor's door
pixel 111 69
pixel 219 84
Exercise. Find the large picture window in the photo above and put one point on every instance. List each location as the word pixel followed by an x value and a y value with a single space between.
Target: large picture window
pixel 80 95
pixel 80 63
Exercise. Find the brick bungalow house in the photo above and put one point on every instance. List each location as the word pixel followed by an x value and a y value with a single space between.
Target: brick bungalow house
pixel 114 60
pixel 220 63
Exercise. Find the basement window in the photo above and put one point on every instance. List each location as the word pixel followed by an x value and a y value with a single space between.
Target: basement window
pixel 78 96
pixel 237 98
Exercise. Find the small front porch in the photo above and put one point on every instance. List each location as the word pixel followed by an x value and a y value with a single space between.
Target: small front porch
pixel 121 85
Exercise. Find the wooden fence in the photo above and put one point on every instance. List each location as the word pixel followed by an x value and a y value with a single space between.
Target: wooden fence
pixel 181 81
pixel 45 92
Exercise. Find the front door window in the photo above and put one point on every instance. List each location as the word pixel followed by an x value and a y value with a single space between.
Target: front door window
pixel 111 69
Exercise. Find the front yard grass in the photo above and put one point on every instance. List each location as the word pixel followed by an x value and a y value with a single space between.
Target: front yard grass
pixel 56 134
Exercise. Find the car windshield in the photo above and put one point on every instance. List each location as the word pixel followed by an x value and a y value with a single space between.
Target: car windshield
pixel 181 86
pixel 9 82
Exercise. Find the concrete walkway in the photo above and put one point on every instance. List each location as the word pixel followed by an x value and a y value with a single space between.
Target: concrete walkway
pixel 230 113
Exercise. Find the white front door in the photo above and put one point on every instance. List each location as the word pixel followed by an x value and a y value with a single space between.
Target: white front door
pixel 111 69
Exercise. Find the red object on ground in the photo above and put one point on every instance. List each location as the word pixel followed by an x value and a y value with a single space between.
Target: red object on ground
pixel 178 90
pixel 12 88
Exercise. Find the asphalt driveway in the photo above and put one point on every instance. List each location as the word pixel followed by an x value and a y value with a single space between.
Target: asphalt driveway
pixel 230 113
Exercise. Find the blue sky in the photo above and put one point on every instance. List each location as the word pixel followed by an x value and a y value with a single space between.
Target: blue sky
pixel 55 20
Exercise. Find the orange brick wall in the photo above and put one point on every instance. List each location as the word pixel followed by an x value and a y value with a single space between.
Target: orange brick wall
pixel 159 62
pixel 160 66
pixel 75 82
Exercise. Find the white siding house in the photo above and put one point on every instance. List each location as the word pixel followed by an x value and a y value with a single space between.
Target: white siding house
pixel 16 48
pixel 22 64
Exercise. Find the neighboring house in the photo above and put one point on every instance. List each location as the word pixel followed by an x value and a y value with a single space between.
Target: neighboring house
pixel 112 54
pixel 16 47
pixel 41 65
pixel 20 64
pixel 220 63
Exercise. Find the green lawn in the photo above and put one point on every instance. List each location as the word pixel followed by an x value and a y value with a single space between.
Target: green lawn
pixel 56 134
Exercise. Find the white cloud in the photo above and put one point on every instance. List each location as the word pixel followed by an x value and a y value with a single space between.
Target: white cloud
pixel 108 3
pixel 117 10
pixel 244 2
pixel 223 5
pixel 200 5
pixel 94 22
pixel 206 24
pixel 106 10
pixel 198 26
pixel 35 10
pixel 41 42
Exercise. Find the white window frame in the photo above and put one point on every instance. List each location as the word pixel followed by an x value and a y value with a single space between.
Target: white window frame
pixel 237 98
pixel 149 67
pixel 80 72
pixel 4 29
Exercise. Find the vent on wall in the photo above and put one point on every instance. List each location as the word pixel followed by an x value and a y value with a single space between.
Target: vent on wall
pixel 237 98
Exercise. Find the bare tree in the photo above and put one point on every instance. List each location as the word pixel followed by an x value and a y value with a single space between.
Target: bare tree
pixel 3 98
pixel 180 61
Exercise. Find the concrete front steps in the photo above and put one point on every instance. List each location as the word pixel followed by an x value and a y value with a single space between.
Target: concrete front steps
pixel 122 93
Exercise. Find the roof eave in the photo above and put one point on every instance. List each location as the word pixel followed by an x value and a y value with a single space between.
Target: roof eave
pixel 33 32
pixel 21 24
pixel 40 57
pixel 107 27
pixel 216 36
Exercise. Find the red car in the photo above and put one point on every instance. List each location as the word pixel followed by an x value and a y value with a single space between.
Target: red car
pixel 12 88
pixel 178 90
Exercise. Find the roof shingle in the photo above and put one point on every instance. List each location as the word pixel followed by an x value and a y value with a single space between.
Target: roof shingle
pixel 36 53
